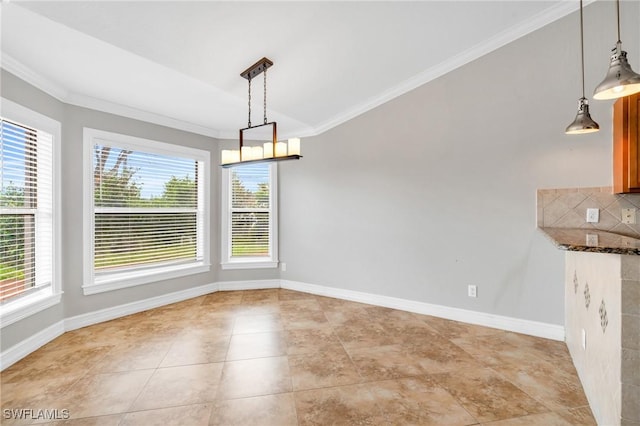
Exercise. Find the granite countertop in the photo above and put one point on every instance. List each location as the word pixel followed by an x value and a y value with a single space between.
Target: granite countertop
pixel 592 240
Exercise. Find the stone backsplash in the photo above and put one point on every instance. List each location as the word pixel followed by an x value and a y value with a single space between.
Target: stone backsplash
pixel 567 208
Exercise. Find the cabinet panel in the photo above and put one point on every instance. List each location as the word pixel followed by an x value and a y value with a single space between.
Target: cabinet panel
pixel 626 145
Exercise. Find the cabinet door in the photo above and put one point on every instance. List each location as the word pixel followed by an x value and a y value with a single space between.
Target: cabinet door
pixel 634 139
pixel 626 145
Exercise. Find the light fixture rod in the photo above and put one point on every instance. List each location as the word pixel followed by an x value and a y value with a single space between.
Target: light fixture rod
pixel 618 14
pixel 249 118
pixel 582 46
pixel 265 96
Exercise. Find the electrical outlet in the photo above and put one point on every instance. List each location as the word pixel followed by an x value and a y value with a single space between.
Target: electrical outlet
pixel 472 291
pixel 593 215
pixel 283 266
pixel 592 240
pixel 628 216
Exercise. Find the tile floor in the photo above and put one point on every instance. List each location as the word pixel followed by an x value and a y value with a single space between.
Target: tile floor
pixel 279 357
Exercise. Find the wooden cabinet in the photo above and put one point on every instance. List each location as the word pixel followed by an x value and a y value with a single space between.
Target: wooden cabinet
pixel 626 145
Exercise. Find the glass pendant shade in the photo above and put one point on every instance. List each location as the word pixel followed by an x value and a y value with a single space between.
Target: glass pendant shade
pixel 621 80
pixel 583 122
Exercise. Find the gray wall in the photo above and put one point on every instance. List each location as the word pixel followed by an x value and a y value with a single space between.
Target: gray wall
pixel 73 120
pixel 436 189
pixel 415 199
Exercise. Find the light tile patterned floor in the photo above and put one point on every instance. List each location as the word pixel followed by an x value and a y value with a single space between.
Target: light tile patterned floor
pixel 278 357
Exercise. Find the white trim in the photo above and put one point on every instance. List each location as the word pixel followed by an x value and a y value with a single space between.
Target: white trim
pixel 248 285
pixel 132 279
pixel 530 25
pixel 257 264
pixel 32 343
pixel 114 312
pixel 16 310
pixel 227 262
pixel 505 37
pixel 63 95
pixel 18 351
pixel 35 79
pixel 28 305
pixel 93 284
pixel 533 328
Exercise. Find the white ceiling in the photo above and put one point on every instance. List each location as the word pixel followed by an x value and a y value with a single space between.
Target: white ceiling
pixel 178 63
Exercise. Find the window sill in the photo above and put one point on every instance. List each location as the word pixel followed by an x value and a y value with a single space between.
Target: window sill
pixel 29 305
pixel 249 264
pixel 122 280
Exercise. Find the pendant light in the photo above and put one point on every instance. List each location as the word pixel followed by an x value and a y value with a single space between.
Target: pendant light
pixel 583 122
pixel 621 80
pixel 270 151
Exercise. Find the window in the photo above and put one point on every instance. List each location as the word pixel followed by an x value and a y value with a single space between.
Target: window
pixel 145 211
pixel 249 217
pixel 28 229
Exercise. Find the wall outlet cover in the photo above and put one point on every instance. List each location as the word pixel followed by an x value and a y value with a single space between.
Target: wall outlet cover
pixel 593 215
pixel 472 291
pixel 628 216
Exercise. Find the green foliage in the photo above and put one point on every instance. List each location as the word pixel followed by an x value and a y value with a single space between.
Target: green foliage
pixel 114 187
pixel 251 236
pixel 10 273
pixel 12 196
pixel 11 230
pixel 144 238
pixel 179 192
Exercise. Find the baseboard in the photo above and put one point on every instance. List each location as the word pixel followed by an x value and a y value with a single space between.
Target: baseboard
pixel 32 343
pixel 533 328
pixel 248 285
pixel 16 352
pixel 114 312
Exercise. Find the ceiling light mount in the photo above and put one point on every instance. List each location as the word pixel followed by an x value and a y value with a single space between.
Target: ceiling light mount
pixel 256 69
pixel 270 151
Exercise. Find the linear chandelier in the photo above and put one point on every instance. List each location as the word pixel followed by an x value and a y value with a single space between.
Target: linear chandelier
pixel 269 151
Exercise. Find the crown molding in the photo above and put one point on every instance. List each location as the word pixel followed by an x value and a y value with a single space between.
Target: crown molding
pixel 25 73
pixel 560 10
pixel 138 114
pixel 501 39
pixel 33 78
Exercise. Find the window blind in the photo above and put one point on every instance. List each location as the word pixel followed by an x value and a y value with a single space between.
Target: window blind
pixel 26 209
pixel 250 211
pixel 146 209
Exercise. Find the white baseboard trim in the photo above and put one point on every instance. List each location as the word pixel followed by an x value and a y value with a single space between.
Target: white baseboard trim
pixel 32 343
pixel 114 312
pixel 533 328
pixel 16 352
pixel 248 285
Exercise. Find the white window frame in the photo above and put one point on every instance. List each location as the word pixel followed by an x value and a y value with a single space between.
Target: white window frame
pixel 25 306
pixel 93 284
pixel 246 262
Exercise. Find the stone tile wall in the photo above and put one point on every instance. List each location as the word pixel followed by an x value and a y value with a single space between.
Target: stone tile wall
pixel 630 336
pixel 602 297
pixel 567 208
